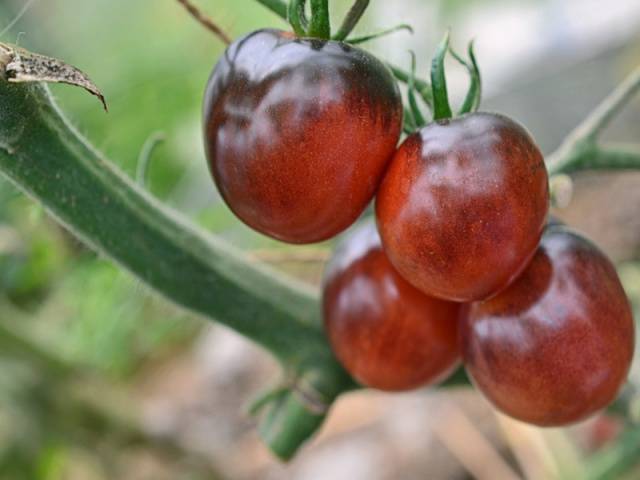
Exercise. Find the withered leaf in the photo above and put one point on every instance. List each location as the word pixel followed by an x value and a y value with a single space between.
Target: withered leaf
pixel 18 65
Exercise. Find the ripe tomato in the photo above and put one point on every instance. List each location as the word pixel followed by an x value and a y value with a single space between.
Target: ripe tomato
pixel 463 205
pixel 555 346
pixel 386 333
pixel 299 132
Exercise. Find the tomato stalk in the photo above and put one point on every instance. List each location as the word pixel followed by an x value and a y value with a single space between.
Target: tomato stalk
pixel 320 24
pixel 581 150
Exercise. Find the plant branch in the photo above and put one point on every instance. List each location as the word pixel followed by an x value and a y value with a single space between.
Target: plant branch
pixel 45 157
pixel 206 21
pixel 580 151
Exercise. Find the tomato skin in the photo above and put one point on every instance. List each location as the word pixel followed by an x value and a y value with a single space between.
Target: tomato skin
pixel 387 334
pixel 463 205
pixel 555 346
pixel 299 132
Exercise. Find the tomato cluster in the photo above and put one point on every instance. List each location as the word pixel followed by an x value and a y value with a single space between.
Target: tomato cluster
pixel 302 133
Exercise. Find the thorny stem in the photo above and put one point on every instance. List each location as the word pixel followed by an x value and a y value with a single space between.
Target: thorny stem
pixel 206 21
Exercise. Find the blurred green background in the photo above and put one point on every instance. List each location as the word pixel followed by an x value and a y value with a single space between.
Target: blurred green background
pixel 100 380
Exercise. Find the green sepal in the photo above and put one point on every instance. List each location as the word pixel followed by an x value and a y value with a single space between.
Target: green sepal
pixel 418 118
pixel 474 94
pixel 441 108
pixel 351 19
pixel 373 36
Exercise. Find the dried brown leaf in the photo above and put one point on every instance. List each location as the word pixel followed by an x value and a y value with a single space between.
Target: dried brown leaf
pixel 18 65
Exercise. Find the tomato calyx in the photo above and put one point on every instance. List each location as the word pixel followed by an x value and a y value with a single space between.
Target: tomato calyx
pixel 319 25
pixel 439 95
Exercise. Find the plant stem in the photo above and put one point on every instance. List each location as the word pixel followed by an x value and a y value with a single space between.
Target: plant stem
pixel 320 24
pixel 351 20
pixel 45 157
pixel 206 21
pixel 580 150
pixel 591 156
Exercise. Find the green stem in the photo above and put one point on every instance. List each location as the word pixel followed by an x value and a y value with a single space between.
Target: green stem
pixel 441 108
pixel 44 156
pixel 591 156
pixel 579 151
pixel 351 20
pixel 320 24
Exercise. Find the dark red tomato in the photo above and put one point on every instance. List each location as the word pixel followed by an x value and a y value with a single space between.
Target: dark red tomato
pixel 556 345
pixel 387 334
pixel 463 206
pixel 299 132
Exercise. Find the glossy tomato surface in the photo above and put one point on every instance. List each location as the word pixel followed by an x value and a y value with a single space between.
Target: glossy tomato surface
pixel 556 345
pixel 387 334
pixel 299 132
pixel 463 205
